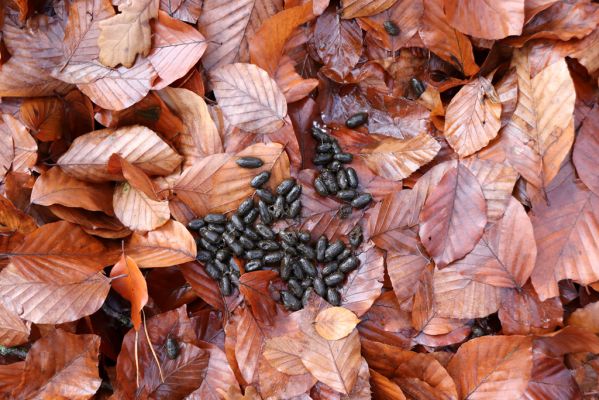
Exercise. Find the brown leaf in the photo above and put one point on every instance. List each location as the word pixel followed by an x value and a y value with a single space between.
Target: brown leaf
pixel 364 8
pixel 473 117
pixel 421 373
pixel 283 353
pixel 254 288
pixel 184 10
pixel 171 244
pixel 585 150
pixel 259 107
pixel 125 35
pixel 404 272
pixel 7 150
pixel 384 388
pixel 176 48
pixel 88 156
pixel 494 367
pixel 44 116
pixel 335 323
pixel 10 377
pixel 13 331
pixel 388 222
pixel 206 287
pixel 586 318
pixel 363 285
pixel 550 379
pixel 25 147
pixel 248 346
pixel 94 223
pixel 293 86
pixel 131 287
pixel 61 365
pixel 449 44
pixel 484 20
pixel 219 376
pixel 13 219
pixel 138 211
pixel 56 187
pixel 453 217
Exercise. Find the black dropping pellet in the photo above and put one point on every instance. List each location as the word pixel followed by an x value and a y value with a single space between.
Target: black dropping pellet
pixel 334 279
pixel 304 236
pixel 336 148
pixel 352 178
pixel 294 209
pixel 334 166
pixel 356 120
pixel 266 196
pixel 273 257
pixel 298 272
pixel 329 268
pixel 333 297
pixel 253 265
pixel 306 251
pixel 237 222
pixel 233 266
pixel 260 179
pixel 228 237
pixel 306 296
pixel 246 242
pixel 265 215
pixel 319 287
pixel 254 254
pixel 345 211
pixel 208 246
pixel 216 228
pixel 417 87
pixel 172 348
pixel 342 181
pixel 321 247
pixel 293 194
pixel 349 265
pixel 288 237
pixel 251 233
pixel 324 148
pixel 306 283
pixel 213 271
pixel 285 186
pixel 330 181
pixel 319 135
pixel 391 28
pixel 220 265
pixel 236 247
pixel 279 207
pixel 230 228
pixel 265 231
pixel 362 200
pixel 245 207
pixel 215 219
pixel 344 158
pixel 225 286
pixel 249 162
pixel 344 254
pixel 322 158
pixel 203 255
pixel 210 236
pixel 333 250
pixel 290 301
pixel 289 249
pixel 196 224
pixel 320 187
pixel 346 195
pixel 286 268
pixel 268 245
pixel 222 255
pixel 295 287
pixel 355 236
pixel 251 216
pixel 308 267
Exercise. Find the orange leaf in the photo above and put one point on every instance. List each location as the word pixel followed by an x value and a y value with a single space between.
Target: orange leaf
pixel 44 116
pixel 335 323
pixel 171 244
pixel 586 317
pixel 364 8
pixel 486 20
pixel 132 286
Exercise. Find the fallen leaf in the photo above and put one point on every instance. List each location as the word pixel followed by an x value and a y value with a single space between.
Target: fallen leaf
pixel 364 8
pixel 364 285
pixel 132 286
pixel 137 211
pixel 484 20
pixel 254 288
pixel 283 353
pixel 384 388
pixel 13 331
pixel 335 323
pixel 44 117
pixel 25 147
pixel 586 318
pixel 10 377
pixel 585 148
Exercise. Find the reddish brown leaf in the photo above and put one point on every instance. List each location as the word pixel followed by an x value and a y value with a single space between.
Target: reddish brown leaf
pixel 364 8
pixel 248 346
pixel 13 331
pixel 364 285
pixel 384 388
pixel 254 288
pixel 10 377
pixel 219 376
pixel 25 147
pixel 132 286
pixel 283 353
pixel 485 20
pixel 585 149
pixel 586 318
pixel 550 379
pixel 94 223
pixel 404 272
pixel 293 86
pixel 44 117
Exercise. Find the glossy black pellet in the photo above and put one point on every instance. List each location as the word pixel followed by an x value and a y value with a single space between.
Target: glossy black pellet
pixel 391 28
pixel 342 181
pixel 294 209
pixel 344 254
pixel 237 222
pixel 196 224
pixel 213 271
pixel 246 242
pixel 265 231
pixel 249 162
pixel 289 237
pixel 320 187
pixel 417 87
pixel 356 120
pixel 220 265
pixel 245 207
pixel 228 237
pixel 319 287
pixel 346 195
pixel 295 287
pixel 203 255
pixel 344 158
pixel 293 194
pixel 352 177
pixel 308 267
pixel 349 265
pixel 236 247
pixel 273 257
pixel 329 268
pixel 268 245
pixel 251 216
pixel 322 158
pixel 266 196
pixel 260 179
pixel 289 249
pixel 290 301
pixel 304 236
pixel 333 250
pixel 345 211
pixel 230 227
pixel 285 186
pixel 324 148
pixel 251 233
pixel 253 265
pixel 172 348
pixel 279 207
pixel 298 272
pixel 233 266
pixel 208 246
pixel 306 283
pixel 330 181
pixel 265 215
pixel 319 135
pixel 362 200
pixel 254 254
pixel 306 251
pixel 286 268
pixel 336 148
pixel 321 247
pixel 216 228
pixel 334 279
pixel 333 297
pixel 222 255
pixel 334 166
pixel 355 236
pixel 225 286
pixel 215 219
pixel 306 296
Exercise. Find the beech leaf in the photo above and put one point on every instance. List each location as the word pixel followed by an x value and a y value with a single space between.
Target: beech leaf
pixel 486 20
pixel 132 286
pixel 335 323
pixel 364 8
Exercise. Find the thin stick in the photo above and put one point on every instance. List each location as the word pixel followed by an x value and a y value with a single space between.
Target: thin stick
pixel 143 314
pixel 136 360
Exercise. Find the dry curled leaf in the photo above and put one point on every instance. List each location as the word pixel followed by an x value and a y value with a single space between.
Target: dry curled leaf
pixel 335 323
pixel 132 286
